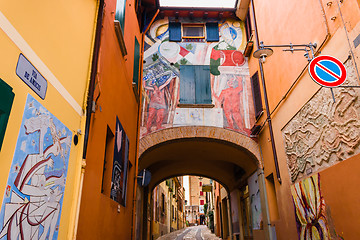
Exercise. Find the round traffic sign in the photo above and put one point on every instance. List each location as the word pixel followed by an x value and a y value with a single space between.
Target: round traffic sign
pixel 327 71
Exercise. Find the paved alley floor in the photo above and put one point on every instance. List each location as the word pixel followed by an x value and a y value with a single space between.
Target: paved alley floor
pixel 191 233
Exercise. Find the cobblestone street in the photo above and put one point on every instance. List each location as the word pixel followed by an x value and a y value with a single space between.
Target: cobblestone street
pixel 191 233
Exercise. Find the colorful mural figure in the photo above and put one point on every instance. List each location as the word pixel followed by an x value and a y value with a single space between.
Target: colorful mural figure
pixel 310 209
pixel 157 78
pixel 33 198
pixel 229 73
pixel 120 165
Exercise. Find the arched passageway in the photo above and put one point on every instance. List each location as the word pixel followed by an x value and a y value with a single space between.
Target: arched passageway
pixel 223 155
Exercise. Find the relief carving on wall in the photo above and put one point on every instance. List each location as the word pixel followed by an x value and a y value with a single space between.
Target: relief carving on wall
pixel 323 133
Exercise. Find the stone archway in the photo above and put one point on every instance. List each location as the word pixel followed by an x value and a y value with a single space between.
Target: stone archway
pixel 216 133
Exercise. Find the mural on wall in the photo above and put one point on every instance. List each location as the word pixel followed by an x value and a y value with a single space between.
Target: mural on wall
pixel 33 197
pixel 120 165
pixel 310 209
pixel 229 75
pixel 323 133
pixel 255 202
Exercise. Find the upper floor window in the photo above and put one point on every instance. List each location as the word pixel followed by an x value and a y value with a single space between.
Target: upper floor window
pixel 182 32
pixel 255 85
pixel 136 65
pixel 120 24
pixel 195 85
pixel 193 31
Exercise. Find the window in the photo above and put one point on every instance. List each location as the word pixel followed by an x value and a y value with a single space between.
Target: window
pixel 6 101
pixel 106 176
pixel 201 193
pixel 212 32
pixel 256 95
pixel 136 65
pixel 193 31
pixel 196 31
pixel 201 202
pixel 162 203
pixel 120 24
pixel 195 85
pixel 175 31
pixel 248 28
pixel 200 184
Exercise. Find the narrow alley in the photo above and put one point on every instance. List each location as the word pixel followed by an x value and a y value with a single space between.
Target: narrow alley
pixel 200 232
pixel 179 119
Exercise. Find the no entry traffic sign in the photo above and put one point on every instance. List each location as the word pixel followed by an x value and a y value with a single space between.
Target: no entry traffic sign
pixel 327 71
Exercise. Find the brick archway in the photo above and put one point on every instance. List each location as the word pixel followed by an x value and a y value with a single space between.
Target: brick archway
pixel 215 133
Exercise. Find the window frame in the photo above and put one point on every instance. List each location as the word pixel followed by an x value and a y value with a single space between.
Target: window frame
pixel 184 100
pixel 193 25
pixel 119 24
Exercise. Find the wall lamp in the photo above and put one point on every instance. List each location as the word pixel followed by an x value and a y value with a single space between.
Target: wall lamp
pixel 265 51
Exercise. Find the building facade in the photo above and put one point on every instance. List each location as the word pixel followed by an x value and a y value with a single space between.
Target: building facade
pixel 314 132
pixel 45 67
pixel 168 207
pixel 110 166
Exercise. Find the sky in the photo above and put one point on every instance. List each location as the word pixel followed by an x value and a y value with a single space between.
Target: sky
pixel 198 3
pixel 186 186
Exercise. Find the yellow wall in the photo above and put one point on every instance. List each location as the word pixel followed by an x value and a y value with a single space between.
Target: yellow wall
pixel 56 37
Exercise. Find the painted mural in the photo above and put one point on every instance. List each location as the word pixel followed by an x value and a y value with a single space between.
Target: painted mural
pixel 34 194
pixel 310 209
pixel 120 165
pixel 229 75
pixel 324 133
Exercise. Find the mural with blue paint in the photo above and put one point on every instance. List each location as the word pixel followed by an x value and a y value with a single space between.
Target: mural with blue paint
pixel 229 75
pixel 33 198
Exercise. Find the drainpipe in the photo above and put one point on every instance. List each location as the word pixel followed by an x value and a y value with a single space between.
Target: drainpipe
pixel 266 98
pixel 94 69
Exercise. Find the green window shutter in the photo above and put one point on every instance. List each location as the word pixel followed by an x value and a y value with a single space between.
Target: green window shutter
pixel 187 84
pixel 212 32
pixel 120 13
pixel 136 63
pixel 175 31
pixel 203 88
pixel 6 101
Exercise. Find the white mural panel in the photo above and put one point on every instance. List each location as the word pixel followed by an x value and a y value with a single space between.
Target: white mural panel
pixel 33 198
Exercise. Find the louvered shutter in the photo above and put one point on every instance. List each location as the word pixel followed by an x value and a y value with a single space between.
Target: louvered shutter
pixel 136 63
pixel 212 32
pixel 256 95
pixel 202 84
pixel 187 84
pixel 175 31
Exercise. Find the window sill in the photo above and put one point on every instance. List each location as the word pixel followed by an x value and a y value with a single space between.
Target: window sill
pixel 186 105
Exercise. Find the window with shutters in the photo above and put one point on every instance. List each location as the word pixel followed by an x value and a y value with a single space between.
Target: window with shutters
pixel 193 32
pixel 136 65
pixel 119 24
pixel 6 101
pixel 201 202
pixel 248 28
pixel 195 89
pixel 256 95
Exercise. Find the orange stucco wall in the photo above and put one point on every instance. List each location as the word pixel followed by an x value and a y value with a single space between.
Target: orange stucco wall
pixel 338 187
pixel 99 215
pixel 301 22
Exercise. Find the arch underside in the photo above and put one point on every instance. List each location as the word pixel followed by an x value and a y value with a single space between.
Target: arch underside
pixel 220 154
